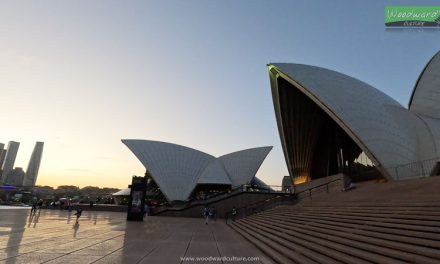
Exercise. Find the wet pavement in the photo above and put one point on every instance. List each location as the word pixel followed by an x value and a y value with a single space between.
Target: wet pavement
pixel 52 236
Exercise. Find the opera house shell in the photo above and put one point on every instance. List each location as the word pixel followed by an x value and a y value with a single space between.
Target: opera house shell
pixel 178 170
pixel 328 122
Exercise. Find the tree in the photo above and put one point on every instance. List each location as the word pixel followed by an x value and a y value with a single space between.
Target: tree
pixel 67 188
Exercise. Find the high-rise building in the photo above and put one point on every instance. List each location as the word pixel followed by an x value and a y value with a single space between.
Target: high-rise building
pixel 8 164
pixel 15 177
pixel 34 165
pixel 2 155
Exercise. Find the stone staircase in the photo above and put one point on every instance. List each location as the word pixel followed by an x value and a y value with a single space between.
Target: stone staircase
pixel 397 222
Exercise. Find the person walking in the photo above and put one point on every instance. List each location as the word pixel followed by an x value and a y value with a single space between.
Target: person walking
pixel 78 214
pixel 233 213
pixel 146 208
pixel 34 207
pixel 206 214
pixel 40 204
pixel 69 205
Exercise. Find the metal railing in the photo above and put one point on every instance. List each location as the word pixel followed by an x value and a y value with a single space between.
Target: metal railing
pixel 309 190
pixel 418 169
pixel 264 188
pixel 242 188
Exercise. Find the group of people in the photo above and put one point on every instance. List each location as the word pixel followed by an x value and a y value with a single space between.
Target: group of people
pixel 36 205
pixel 209 212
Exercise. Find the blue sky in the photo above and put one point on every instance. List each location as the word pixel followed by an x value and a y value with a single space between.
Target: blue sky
pixel 81 75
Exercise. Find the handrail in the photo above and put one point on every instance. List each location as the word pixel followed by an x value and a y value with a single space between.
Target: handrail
pixel 314 187
pixel 420 169
pixel 240 188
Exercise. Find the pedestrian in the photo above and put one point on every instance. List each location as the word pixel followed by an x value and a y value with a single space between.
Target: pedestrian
pixel 69 205
pixel 34 207
pixel 146 209
pixel 40 204
pixel 206 214
pixel 233 213
pixel 78 214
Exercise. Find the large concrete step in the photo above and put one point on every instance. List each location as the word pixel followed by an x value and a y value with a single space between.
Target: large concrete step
pixel 395 222
pixel 407 236
pixel 389 222
pixel 421 211
pixel 349 243
pixel 382 214
pixel 340 252
pixel 276 252
pixel 370 203
pixel 431 211
pixel 396 243
pixel 430 232
pixel 309 247
pixel 297 247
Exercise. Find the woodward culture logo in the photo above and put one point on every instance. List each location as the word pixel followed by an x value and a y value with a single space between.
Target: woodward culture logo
pixel 412 16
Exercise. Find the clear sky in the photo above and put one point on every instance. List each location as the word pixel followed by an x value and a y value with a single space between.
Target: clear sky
pixel 82 75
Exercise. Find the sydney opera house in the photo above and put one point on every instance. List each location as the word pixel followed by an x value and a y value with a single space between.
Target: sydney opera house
pixel 331 123
pixel 179 172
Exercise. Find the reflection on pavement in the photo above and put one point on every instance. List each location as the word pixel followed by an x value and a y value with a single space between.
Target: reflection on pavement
pixel 75 228
pixel 106 237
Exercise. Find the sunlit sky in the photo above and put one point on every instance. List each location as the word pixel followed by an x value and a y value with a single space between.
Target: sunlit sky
pixel 82 75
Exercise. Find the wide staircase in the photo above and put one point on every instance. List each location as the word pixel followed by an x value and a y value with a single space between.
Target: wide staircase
pixel 397 222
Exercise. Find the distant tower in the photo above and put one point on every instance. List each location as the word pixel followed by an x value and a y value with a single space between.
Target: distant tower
pixel 8 164
pixel 15 177
pixel 34 165
pixel 2 155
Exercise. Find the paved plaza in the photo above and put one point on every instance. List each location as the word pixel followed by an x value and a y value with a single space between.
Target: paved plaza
pixel 53 236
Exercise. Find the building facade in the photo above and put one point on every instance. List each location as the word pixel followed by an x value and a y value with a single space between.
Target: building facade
pixel 15 177
pixel 2 155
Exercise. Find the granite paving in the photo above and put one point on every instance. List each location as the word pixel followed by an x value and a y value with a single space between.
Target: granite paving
pixel 54 236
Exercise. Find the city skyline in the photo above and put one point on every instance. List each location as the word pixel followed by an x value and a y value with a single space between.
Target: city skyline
pixel 81 77
pixel 8 164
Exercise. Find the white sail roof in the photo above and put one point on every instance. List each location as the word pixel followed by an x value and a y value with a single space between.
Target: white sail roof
pixel 425 98
pixel 214 173
pixel 242 166
pixel 385 130
pixel 177 169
